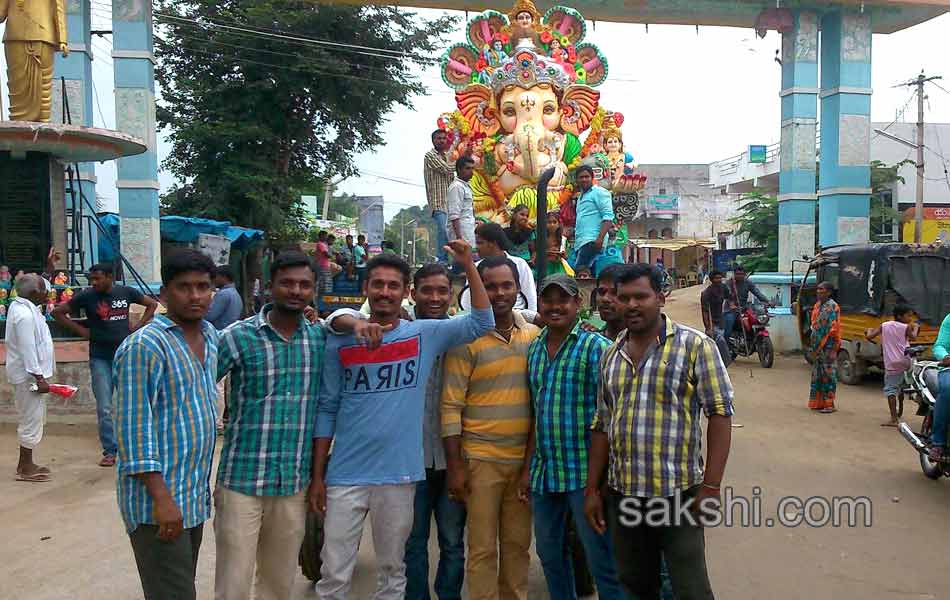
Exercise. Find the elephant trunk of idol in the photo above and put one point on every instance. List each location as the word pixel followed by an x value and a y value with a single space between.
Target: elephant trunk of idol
pixel 541 237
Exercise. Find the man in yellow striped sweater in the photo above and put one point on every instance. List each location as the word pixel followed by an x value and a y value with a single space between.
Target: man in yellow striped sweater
pixel 486 422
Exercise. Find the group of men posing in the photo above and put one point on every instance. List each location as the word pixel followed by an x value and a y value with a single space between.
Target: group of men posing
pixel 484 420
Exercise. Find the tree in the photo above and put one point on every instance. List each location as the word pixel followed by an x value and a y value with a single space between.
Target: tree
pixel 757 223
pixel 264 99
pixel 883 215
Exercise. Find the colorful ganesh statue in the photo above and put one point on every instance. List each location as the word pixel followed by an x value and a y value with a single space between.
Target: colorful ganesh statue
pixel 524 88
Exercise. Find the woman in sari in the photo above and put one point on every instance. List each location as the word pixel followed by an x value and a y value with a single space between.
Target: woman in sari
pixel 823 349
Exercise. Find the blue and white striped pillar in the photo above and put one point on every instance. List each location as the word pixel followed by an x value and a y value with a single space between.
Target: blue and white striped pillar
pixel 796 187
pixel 76 69
pixel 134 67
pixel 844 183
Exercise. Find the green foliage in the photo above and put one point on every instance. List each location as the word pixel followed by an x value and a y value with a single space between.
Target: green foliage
pixel 883 216
pixel 257 119
pixel 757 223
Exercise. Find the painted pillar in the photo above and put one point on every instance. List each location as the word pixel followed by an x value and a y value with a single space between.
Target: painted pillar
pixel 844 186
pixel 134 67
pixel 76 69
pixel 796 187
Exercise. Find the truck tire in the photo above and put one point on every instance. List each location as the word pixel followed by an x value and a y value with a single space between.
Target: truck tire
pixel 850 371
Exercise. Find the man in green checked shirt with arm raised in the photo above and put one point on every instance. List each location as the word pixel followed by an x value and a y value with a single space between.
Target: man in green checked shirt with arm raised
pixel 656 381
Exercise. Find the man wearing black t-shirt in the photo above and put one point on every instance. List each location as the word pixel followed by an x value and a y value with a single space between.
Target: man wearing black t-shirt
pixel 107 324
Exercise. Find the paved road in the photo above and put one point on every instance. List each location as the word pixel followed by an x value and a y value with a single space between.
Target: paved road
pixel 65 540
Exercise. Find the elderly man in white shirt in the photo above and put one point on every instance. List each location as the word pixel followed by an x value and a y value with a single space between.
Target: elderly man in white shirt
pixel 30 364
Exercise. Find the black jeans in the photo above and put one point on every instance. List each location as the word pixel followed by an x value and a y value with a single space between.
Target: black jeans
pixel 638 549
pixel 167 569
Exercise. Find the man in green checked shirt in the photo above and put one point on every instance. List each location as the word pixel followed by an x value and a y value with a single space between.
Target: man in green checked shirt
pixel 275 359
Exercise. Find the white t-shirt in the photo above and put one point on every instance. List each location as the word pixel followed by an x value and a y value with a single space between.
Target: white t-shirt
pixel 528 287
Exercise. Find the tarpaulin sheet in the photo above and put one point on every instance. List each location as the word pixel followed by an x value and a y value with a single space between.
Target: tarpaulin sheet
pixel 923 283
pixel 242 237
pixel 186 229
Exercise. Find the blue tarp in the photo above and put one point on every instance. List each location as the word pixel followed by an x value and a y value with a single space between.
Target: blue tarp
pixel 186 229
pixel 242 237
pixel 182 229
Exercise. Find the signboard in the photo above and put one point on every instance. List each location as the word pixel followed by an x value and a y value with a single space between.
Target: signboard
pixel 757 154
pixel 339 228
pixel 215 247
pixel 310 206
pixel 725 260
pixel 663 205
pixel 936 225
pixel 371 222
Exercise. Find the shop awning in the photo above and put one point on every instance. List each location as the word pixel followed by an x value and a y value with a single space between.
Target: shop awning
pixel 182 229
pixel 242 237
pixel 674 244
pixel 186 229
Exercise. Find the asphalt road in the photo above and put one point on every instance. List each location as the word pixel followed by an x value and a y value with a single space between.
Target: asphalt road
pixel 64 539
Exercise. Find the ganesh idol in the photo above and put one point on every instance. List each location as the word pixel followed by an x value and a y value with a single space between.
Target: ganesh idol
pixel 528 113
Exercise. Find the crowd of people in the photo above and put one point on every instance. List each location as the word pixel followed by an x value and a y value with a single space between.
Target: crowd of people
pixel 578 233
pixel 501 424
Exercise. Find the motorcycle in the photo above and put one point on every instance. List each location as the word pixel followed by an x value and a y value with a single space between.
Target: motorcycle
pixel 751 335
pixel 920 385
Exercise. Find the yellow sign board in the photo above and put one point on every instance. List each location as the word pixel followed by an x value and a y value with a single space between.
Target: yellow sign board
pixel 931 230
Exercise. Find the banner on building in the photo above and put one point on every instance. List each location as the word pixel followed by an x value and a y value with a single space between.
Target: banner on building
pixel 936 225
pixel 662 204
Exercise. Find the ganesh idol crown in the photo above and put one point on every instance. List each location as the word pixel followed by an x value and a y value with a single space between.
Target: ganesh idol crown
pixel 525 94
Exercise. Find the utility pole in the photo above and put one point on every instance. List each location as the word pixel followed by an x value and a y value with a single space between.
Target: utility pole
pixel 328 193
pixel 919 204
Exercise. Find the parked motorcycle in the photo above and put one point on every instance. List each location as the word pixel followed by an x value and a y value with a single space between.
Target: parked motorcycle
pixel 751 335
pixel 920 385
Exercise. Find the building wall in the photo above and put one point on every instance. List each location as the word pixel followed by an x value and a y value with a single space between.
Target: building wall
pixel 703 212
pixel 937 138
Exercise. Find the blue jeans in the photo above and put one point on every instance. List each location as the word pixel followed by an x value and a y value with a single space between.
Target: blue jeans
pixel 550 528
pixel 432 496
pixel 585 256
pixel 102 387
pixel 729 318
pixel 441 234
pixel 942 410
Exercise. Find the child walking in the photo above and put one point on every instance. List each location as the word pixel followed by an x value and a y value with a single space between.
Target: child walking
pixel 895 336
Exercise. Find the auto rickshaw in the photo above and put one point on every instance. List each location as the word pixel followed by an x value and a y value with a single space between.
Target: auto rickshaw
pixel 870 279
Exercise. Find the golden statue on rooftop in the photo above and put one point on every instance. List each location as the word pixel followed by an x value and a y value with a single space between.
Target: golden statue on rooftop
pixel 35 30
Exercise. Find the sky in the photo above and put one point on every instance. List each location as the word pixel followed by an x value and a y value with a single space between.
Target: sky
pixel 688 96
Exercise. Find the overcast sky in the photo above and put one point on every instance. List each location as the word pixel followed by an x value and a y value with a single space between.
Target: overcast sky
pixel 687 97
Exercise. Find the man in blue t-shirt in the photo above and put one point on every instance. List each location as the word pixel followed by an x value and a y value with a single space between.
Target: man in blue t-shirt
pixel 372 406
pixel 595 217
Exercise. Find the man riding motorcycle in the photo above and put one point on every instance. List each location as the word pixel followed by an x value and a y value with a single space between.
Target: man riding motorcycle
pixel 739 288
pixel 941 417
